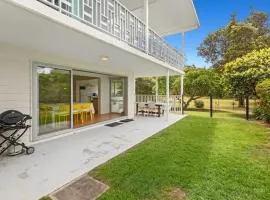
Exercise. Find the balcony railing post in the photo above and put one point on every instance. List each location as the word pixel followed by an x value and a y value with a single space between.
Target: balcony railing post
pixel 146 10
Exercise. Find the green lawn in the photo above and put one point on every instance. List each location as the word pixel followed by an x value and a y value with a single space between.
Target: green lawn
pixel 225 158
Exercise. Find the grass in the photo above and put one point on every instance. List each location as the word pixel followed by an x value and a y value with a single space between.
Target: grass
pixel 45 198
pixel 224 158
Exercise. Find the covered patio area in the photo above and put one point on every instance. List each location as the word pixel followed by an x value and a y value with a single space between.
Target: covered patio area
pixel 59 161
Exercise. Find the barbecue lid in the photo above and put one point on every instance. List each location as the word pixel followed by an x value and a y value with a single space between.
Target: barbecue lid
pixel 11 117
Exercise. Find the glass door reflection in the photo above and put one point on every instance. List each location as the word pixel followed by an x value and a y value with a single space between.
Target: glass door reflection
pixel 54 104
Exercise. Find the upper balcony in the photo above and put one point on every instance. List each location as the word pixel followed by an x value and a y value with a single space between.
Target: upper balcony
pixel 113 18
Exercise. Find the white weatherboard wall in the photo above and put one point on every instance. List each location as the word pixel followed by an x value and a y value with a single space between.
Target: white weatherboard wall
pixel 15 85
pixel 16 80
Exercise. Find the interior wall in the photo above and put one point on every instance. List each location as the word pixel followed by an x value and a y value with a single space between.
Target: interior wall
pixel 91 86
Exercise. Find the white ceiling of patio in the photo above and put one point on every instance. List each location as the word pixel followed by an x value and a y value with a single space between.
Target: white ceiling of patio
pixel 166 17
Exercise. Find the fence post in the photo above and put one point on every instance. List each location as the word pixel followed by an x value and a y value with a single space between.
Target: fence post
pixel 174 104
pixel 211 106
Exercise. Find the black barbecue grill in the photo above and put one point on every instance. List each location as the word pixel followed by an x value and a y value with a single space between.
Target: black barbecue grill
pixel 12 127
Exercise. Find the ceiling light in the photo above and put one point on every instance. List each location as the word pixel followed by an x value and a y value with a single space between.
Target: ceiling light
pixel 104 58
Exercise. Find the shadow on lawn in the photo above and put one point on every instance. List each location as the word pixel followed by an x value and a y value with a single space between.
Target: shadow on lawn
pixel 231 113
pixel 176 157
pixel 196 146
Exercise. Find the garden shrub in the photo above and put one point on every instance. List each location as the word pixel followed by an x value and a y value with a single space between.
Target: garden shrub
pixel 257 113
pixel 263 91
pixel 199 104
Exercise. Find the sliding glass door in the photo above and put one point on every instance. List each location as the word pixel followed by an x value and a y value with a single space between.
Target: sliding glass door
pixel 118 95
pixel 54 99
pixel 65 99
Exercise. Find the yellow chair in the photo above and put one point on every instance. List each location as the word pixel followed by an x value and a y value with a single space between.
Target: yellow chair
pixel 92 111
pixel 81 112
pixel 85 110
pixel 63 113
pixel 43 114
pixel 88 109
pixel 76 112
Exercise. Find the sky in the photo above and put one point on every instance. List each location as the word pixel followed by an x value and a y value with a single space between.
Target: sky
pixel 212 15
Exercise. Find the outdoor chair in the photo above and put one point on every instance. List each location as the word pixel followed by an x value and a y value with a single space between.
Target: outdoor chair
pixel 164 108
pixel 142 108
pixel 152 109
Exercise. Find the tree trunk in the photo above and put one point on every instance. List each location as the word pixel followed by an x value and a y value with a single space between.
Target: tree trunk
pixel 187 103
pixel 247 108
pixel 241 102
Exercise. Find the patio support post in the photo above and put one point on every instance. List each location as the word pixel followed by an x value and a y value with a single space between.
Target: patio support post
pixel 182 93
pixel 182 75
pixel 156 89
pixel 183 49
pixel 168 94
pixel 146 12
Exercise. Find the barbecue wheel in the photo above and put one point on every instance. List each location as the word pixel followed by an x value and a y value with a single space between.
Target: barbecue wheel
pixel 30 150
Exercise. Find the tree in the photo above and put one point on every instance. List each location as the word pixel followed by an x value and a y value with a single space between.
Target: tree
pixel 241 39
pixel 259 20
pixel 54 87
pixel 243 74
pixel 145 86
pixel 213 47
pixel 199 83
pixel 235 40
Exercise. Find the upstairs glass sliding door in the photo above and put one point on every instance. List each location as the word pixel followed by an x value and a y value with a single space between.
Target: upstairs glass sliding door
pixel 54 99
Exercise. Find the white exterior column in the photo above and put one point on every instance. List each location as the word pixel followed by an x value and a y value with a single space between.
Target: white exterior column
pixel 146 17
pixel 182 75
pixel 156 89
pixel 131 96
pixel 182 93
pixel 183 48
pixel 168 94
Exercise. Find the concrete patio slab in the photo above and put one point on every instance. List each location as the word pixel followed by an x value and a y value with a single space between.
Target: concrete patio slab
pixel 58 162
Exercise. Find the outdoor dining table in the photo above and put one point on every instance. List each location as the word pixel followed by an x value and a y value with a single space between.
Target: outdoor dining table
pixel 158 105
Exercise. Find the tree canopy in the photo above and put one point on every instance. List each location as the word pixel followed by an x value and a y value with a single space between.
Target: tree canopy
pixel 201 82
pixel 236 40
pixel 244 73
